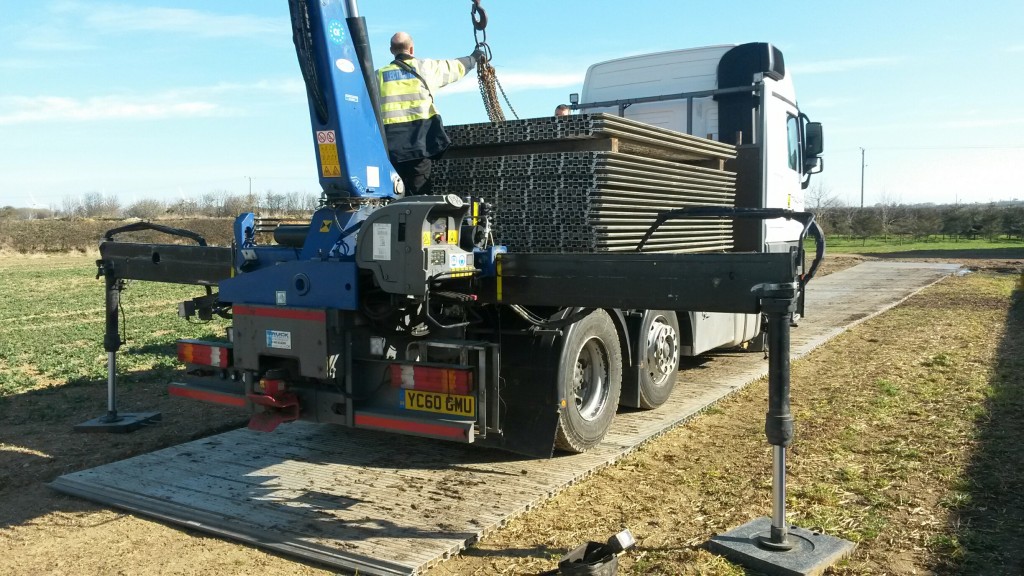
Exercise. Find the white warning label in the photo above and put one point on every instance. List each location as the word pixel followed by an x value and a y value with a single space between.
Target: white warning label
pixel 382 241
pixel 279 339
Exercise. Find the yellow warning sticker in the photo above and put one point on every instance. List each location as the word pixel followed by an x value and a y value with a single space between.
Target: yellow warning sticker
pixel 329 164
pixel 453 237
pixel 325 226
pixel 426 238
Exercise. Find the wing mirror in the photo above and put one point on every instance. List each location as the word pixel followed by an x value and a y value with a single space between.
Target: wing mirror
pixel 814 140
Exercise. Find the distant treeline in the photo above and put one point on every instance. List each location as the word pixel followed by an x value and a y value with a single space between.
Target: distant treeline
pixel 923 221
pixel 83 234
pixel 80 222
pixel 211 205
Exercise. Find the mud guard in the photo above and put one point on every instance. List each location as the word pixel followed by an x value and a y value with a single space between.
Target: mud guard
pixel 530 361
pixel 529 376
pixel 629 330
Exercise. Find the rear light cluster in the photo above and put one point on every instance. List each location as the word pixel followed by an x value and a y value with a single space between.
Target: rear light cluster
pixel 204 354
pixel 432 379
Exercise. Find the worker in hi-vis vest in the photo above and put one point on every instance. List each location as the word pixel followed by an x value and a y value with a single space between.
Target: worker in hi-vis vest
pixel 412 124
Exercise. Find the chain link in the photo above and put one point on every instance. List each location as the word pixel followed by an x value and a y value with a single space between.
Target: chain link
pixel 488 80
pixel 489 88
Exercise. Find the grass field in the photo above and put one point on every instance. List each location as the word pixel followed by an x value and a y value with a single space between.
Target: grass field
pixel 1001 248
pixel 52 318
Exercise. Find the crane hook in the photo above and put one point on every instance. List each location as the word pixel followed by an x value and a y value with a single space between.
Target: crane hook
pixel 479 16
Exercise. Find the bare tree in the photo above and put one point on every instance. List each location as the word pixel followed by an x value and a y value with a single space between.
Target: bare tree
pixel 274 203
pixel 890 214
pixel 71 207
pixel 820 201
pixel 146 209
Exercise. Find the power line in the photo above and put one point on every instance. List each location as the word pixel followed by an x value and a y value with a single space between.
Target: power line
pixel 930 148
pixel 948 148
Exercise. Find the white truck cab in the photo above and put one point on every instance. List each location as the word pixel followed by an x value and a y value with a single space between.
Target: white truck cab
pixel 738 94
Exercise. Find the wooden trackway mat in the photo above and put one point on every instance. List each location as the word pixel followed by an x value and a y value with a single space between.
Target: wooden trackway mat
pixel 387 504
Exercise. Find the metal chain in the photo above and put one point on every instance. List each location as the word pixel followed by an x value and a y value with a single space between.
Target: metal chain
pixel 486 77
pixel 487 81
pixel 505 96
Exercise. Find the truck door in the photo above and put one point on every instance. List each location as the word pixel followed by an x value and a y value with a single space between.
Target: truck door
pixel 784 162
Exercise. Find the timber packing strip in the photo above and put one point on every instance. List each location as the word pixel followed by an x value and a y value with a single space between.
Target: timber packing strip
pixel 385 505
pixel 585 126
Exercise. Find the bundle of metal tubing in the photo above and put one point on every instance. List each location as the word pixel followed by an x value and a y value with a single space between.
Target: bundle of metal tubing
pixel 589 201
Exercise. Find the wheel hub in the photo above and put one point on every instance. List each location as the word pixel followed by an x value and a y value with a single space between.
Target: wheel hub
pixel 590 380
pixel 662 350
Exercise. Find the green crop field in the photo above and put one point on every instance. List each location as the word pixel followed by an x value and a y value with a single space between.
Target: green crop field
pixel 52 318
pixel 1000 248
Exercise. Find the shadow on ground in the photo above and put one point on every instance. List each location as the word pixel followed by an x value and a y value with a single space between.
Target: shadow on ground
pixel 38 441
pixel 967 254
pixel 988 527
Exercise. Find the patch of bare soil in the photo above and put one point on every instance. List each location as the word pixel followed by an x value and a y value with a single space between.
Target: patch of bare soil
pixel 908 433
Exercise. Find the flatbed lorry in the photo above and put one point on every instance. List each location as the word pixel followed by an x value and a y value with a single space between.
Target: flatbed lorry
pixel 390 312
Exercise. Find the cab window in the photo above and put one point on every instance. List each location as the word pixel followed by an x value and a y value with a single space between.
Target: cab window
pixel 793 136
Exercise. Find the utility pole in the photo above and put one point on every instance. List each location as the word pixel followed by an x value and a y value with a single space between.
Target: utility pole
pixel 861 189
pixel 861 177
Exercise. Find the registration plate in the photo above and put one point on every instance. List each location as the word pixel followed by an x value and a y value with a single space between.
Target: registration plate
pixel 440 403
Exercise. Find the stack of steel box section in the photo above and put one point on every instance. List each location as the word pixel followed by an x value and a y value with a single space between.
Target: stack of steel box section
pixel 590 183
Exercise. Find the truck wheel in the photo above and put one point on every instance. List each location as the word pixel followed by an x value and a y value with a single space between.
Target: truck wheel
pixel 659 356
pixel 589 381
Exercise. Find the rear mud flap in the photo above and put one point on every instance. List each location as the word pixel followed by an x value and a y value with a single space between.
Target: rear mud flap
pixel 529 377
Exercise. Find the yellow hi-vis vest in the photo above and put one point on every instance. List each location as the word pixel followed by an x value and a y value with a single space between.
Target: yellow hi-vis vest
pixel 411 121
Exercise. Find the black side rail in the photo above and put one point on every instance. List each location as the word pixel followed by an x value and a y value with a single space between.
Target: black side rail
pixel 137 226
pixel 806 218
pixel 172 263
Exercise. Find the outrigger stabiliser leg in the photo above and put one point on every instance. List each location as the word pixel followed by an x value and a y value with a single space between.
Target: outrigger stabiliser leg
pixel 771 545
pixel 182 264
pixel 112 421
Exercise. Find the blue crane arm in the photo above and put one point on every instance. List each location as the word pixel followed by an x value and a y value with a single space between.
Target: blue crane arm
pixel 340 82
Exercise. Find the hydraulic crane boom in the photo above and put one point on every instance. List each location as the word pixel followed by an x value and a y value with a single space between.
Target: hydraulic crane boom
pixel 334 56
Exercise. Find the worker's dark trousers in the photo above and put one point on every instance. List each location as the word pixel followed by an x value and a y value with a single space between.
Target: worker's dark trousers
pixel 416 176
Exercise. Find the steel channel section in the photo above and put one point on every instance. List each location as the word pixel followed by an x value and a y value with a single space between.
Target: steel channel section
pixel 726 282
pixel 560 202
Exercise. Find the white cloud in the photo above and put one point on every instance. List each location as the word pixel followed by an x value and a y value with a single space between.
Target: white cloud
pixel 513 81
pixel 186 102
pixel 287 86
pixel 842 65
pixel 24 110
pixel 52 39
pixel 130 18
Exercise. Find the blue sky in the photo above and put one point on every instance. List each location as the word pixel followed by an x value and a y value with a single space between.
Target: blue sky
pixel 164 99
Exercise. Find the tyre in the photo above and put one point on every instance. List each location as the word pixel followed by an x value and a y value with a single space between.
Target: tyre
pixel 659 357
pixel 589 381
